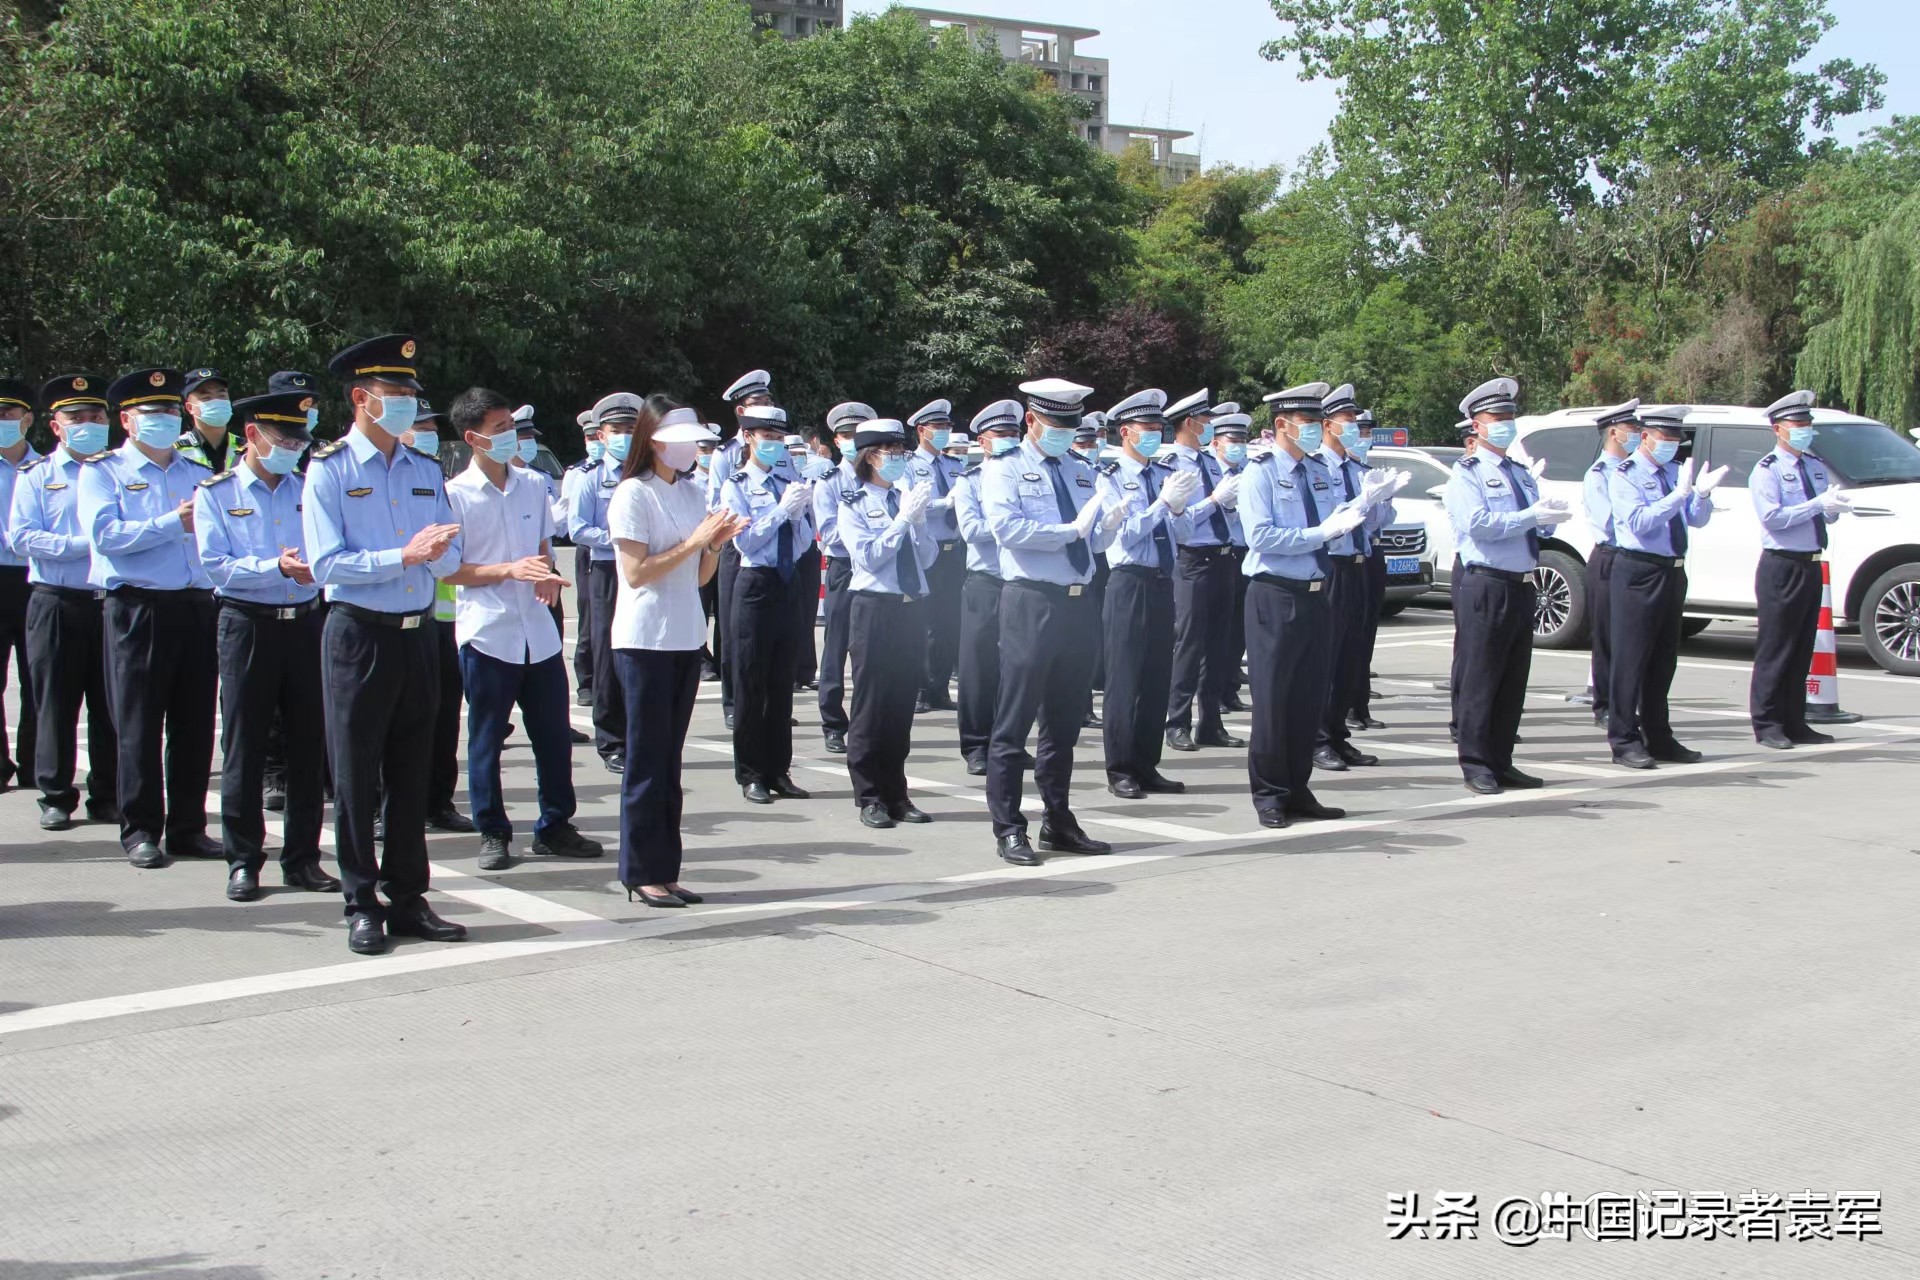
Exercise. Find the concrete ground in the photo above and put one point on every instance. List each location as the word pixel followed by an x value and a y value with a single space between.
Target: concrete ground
pixel 1218 1053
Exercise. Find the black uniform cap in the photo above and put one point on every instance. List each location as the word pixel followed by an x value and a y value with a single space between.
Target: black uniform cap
pixel 146 386
pixel 284 411
pixel 390 358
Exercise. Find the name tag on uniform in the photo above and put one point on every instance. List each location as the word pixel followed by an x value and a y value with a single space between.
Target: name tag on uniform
pixel 136 486
pixel 423 493
pixel 299 506
pixel 359 493
pixel 1083 482
pixel 1319 486
pixel 239 511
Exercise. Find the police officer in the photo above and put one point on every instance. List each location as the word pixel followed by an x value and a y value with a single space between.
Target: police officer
pixel 16 415
pixel 379 532
pixel 1619 439
pixel 778 509
pixel 274 796
pixel 137 506
pixel 885 527
pixel 932 468
pixel 1292 511
pixel 1230 450
pixel 443 770
pixel 1497 513
pixel 570 482
pixel 1203 587
pixel 843 420
pixel 1358 442
pixel 247 531
pixel 811 467
pixel 998 427
pixel 207 439
pixel 1043 509
pixel 1090 446
pixel 750 390
pixel 1654 503
pixel 614 416
pixel 1146 512
pixel 66 651
pixel 1794 497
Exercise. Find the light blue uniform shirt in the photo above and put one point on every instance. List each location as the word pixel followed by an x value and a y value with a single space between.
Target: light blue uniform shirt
pixel 983 553
pixel 1348 476
pixel 570 482
pixel 241 524
pixel 1597 501
pixel 937 472
pixel 129 503
pixel 1785 507
pixel 1645 502
pixel 1281 531
pixel 1235 528
pixel 1024 516
pixel 1486 504
pixel 360 512
pixel 587 513
pixel 43 523
pixel 874 539
pixel 827 493
pixel 726 461
pixel 1200 530
pixel 755 492
pixel 9 480
pixel 1136 485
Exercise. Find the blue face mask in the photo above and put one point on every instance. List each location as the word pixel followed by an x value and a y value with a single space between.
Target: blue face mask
pixel 704 462
pixel 216 413
pixel 1055 441
pixel 426 441
pixel 1632 444
pixel 281 460
pixel 1149 443
pixel 156 430
pixel 527 450
pixel 770 453
pixel 892 468
pixel 1206 434
pixel 940 439
pixel 1236 454
pixel 1001 444
pixel 85 438
pixel 313 419
pixel 1800 439
pixel 397 414
pixel 1500 434
pixel 594 449
pixel 618 445
pixel 1664 451
pixel 1358 449
pixel 1312 436
pixel 502 448
pixel 9 432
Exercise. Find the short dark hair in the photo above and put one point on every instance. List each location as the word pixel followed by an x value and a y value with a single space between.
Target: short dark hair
pixel 471 407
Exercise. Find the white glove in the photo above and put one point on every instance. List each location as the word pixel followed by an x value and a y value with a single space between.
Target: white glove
pixel 1374 486
pixel 1089 514
pixel 1227 493
pixel 1401 479
pixel 1834 503
pixel 942 505
pixel 1344 520
pixel 797 499
pixel 913 505
pixel 1115 517
pixel 1550 511
pixel 1685 483
pixel 1710 481
pixel 1178 491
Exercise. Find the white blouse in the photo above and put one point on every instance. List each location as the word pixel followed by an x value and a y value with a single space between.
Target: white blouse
pixel 665 613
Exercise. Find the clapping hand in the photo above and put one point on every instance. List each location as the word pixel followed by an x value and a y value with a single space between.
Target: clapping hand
pixel 429 544
pixel 1710 481
pixel 796 500
pixel 1115 517
pixel 914 503
pixel 1227 493
pixel 717 529
pixel 1537 468
pixel 1834 503
pixel 1551 511
pixel 1685 483
pixel 1179 490
pixel 1343 520
pixel 1089 514
pixel 292 566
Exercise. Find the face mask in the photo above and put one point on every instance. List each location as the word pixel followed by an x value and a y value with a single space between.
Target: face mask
pixel 156 430
pixel 1632 443
pixel 678 454
pixel 216 413
pixel 84 438
pixel 844 444
pixel 1312 436
pixel 619 444
pixel 1359 449
pixel 501 448
pixel 9 432
pixel 1799 439
pixel 1055 441
pixel 427 442
pixel 1665 450
pixel 1001 444
pixel 280 460
pixel 1206 434
pixel 594 450
pixel 1148 444
pixel 527 450
pixel 313 419
pixel 1236 454
pixel 816 467
pixel 940 439
pixel 1500 434
pixel 397 414
pixel 705 462
pixel 892 468
pixel 770 453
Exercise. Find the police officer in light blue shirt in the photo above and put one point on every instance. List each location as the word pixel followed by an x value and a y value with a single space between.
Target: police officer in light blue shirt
pixel 1619 428
pixel 571 481
pixel 998 428
pixel 614 417
pixel 379 534
pixel 16 415
pixel 1203 589
pixel 1231 431
pixel 247 527
pixel 929 465
pixel 843 420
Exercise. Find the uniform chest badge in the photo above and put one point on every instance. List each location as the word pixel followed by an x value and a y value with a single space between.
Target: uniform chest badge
pixel 423 493
pixel 1319 486
pixel 58 484
pixel 876 515
pixel 1790 478
pixel 1129 485
pixel 359 493
pixel 136 486
pixel 1083 482
pixel 1284 484
pixel 1031 475
pixel 239 511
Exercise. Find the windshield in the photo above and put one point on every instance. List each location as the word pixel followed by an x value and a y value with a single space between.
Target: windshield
pixel 1866 453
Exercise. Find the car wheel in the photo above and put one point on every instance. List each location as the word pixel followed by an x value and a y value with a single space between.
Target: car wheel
pixel 1560 609
pixel 1392 608
pixel 1691 627
pixel 1890 620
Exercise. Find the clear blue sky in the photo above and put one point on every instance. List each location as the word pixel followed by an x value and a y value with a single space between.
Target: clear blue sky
pixel 1202 69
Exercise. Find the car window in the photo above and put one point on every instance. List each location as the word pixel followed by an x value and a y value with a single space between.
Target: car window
pixel 1426 472
pixel 1739 450
pixel 1567 451
pixel 1866 453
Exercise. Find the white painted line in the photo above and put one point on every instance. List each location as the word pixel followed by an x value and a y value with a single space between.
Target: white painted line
pixel 1745 669
pixel 1450 753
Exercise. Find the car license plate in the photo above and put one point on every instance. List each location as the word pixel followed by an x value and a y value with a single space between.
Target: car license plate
pixel 1403 565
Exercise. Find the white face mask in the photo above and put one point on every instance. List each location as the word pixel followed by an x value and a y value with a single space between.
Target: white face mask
pixel 679 455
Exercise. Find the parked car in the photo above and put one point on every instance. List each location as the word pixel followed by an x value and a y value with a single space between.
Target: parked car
pixel 1420 502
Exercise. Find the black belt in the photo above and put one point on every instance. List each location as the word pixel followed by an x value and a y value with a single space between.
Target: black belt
pixel 1054 589
pixel 1299 586
pixel 70 593
pixel 842 559
pixel 994 578
pixel 898 597
pixel 397 621
pixel 270 612
pixel 948 546
pixel 1209 553
pixel 1357 558
pixel 1505 575
pixel 1647 557
pixel 1143 571
pixel 157 596
pixel 1807 557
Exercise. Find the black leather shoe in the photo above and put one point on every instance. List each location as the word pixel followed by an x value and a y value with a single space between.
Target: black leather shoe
pixel 1771 738
pixel 196 846
pixel 1181 740
pixel 976 768
pixel 1275 818
pixel 1127 789
pixel 909 812
pixel 1600 717
pixel 419 921
pixel 1092 721
pixel 1358 723
pixel 1232 702
pixel 941 701
pixel 274 799
pixel 584 697
pixel 875 815
pixel 1305 806
pixel 54 818
pixel 243 884
pixel 564 841
pixel 1354 756
pixel 1674 753
pixel 1453 734
pixel 1809 737
pixel 757 793
pixel 729 719
pixel 783 787
pixel 1326 758
pixel 1520 781
pixel 921 706
pixel 1156 783
pixel 451 819
pixel 1633 758
pixel 1015 849
pixel 1581 699
pixel 836 742
pixel 1222 739
pixel 1482 784
pixel 308 876
pixel 365 937
pixel 615 763
pixel 576 737
pixel 495 854
pixel 1071 839
pixel 146 855
pixel 379 827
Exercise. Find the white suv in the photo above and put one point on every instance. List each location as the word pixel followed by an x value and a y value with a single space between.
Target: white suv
pixel 1874 554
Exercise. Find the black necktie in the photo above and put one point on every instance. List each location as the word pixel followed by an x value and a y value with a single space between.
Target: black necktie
pixel 1520 503
pixel 1305 481
pixel 1162 543
pixel 1676 523
pixel 906 561
pixel 784 564
pixel 1806 487
pixel 1360 534
pixel 1077 553
pixel 939 477
pixel 1217 522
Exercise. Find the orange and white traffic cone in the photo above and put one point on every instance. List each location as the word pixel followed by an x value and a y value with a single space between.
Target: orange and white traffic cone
pixel 1823 680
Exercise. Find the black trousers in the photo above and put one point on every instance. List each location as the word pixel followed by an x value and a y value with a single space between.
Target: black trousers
pixel 888 635
pixel 1376 567
pixel 1202 649
pixel 1600 622
pixel 269 670
pixel 1493 655
pixel 1137 620
pixel 833 646
pixel 710 608
pixel 1648 604
pixel 444 774
pixel 382 692
pixel 1288 648
pixel 163 666
pixel 14 593
pixel 806 608
pixel 583 628
pixel 1788 593
pixel 763 645
pixel 1348 603
pixel 66 656
pixel 609 701
pixel 725 640
pixel 1097 591
pixel 979 661
pixel 945 578
pixel 660 687
pixel 1043 675
pixel 1236 675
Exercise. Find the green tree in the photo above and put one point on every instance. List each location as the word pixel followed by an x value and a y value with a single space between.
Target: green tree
pixel 1869 351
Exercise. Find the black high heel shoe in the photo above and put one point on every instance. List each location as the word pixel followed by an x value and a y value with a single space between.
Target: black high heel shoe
pixel 652 900
pixel 685 895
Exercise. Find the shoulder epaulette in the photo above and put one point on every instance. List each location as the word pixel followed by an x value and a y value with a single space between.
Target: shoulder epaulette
pixel 738 475
pixel 1599 464
pixel 974 469
pixel 850 497
pixel 36 462
pixel 430 457
pixel 1625 463
pixel 101 456
pixel 211 481
pixel 206 466
pixel 1107 468
pixel 1166 460
pixel 1265 458
pixel 328 450
pixel 1768 460
pixel 1471 460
